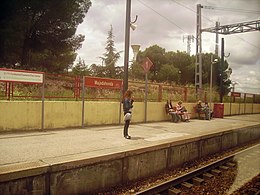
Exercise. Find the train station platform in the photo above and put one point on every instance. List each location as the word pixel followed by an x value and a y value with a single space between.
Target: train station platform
pixel 78 161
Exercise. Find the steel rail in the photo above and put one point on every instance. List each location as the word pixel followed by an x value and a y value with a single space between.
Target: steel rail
pixel 175 181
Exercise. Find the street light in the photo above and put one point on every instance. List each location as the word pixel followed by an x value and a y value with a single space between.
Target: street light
pixel 210 90
pixel 233 83
pixel 135 49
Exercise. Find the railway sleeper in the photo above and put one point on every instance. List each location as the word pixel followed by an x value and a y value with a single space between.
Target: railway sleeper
pixel 215 172
pixel 186 185
pixel 207 176
pixel 197 181
pixel 223 168
pixel 174 191
pixel 229 164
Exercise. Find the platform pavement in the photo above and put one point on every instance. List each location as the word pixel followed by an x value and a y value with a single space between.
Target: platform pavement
pixel 69 144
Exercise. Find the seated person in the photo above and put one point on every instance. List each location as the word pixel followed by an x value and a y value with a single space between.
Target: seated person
pixel 199 107
pixel 208 111
pixel 203 109
pixel 183 111
pixel 172 111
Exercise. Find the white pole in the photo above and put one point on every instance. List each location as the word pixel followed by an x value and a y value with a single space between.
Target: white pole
pixel 145 101
pixel 43 83
pixel 210 90
pixel 83 101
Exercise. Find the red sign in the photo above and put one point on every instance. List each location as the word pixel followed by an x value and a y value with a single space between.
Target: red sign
pixel 235 94
pixel 147 65
pixel 104 83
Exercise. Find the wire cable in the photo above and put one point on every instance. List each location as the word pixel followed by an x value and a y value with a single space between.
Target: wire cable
pixel 232 9
pixel 162 16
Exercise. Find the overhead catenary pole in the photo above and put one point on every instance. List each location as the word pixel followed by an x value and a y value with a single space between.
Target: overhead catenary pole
pixel 210 86
pixel 221 70
pixel 198 66
pixel 127 38
pixel 189 39
pixel 217 42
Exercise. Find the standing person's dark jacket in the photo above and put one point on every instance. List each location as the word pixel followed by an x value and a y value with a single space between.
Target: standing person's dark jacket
pixel 127 105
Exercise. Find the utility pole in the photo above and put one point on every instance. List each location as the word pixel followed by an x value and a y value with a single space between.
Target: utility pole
pixel 189 39
pixel 127 40
pixel 221 69
pixel 217 43
pixel 198 65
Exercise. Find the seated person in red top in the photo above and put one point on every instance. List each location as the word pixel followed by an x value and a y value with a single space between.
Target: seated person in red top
pixel 172 111
pixel 183 111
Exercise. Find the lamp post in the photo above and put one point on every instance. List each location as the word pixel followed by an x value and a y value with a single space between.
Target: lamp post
pixel 210 88
pixel 135 49
pixel 233 83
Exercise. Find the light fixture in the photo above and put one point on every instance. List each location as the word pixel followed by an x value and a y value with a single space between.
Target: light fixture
pixel 210 84
pixel 133 26
pixel 135 49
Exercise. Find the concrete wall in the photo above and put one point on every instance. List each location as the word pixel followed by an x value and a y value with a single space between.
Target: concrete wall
pixel 25 115
pixel 86 176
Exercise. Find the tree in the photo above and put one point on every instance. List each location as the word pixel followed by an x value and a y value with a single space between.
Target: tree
pixel 136 70
pixel 168 73
pixel 80 68
pixel 179 61
pixel 97 70
pixel 157 55
pixel 226 82
pixel 206 63
pixel 184 63
pixel 111 56
pixel 41 34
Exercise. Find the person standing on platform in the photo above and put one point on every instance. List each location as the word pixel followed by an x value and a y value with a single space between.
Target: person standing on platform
pixel 127 107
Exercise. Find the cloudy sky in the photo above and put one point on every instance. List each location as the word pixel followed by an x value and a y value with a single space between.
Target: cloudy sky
pixel 166 22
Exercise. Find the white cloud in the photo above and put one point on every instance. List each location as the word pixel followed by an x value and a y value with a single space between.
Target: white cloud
pixel 165 22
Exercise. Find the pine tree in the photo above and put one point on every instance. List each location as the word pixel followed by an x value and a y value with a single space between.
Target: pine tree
pixel 111 56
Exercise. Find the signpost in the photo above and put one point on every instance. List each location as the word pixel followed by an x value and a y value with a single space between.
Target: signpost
pixel 146 66
pixel 24 76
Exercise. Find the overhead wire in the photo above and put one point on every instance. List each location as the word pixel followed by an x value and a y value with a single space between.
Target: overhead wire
pixel 233 9
pixel 224 9
pixel 162 16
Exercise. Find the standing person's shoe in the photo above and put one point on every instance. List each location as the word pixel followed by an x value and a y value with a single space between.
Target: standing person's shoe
pixel 128 137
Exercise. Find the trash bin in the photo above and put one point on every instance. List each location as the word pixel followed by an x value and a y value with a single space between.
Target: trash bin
pixel 219 110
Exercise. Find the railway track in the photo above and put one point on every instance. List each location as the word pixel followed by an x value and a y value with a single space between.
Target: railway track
pixel 198 176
